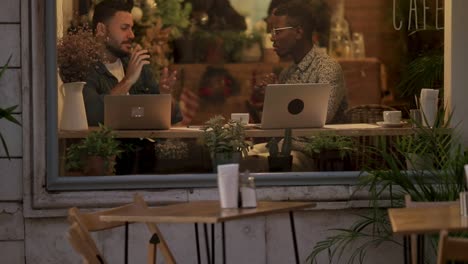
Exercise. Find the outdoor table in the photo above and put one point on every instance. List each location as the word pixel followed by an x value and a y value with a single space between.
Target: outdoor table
pixel 429 220
pixel 209 212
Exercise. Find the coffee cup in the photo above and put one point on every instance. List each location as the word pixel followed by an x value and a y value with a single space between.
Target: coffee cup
pixel 243 118
pixel 392 117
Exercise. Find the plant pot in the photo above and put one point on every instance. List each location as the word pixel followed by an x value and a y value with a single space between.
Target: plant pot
pixel 98 166
pixel 280 163
pixel 73 115
pixel 330 160
pixel 225 158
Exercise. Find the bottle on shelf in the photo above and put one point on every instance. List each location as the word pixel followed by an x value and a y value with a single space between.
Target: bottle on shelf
pixel 340 40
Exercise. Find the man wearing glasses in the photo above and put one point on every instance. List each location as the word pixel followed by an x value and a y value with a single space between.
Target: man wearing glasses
pixel 292 25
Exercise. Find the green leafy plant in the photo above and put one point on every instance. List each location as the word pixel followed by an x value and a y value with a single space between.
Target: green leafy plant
pixel 7 113
pixel 386 176
pixel 323 142
pixel 100 143
pixel 225 137
pixel 273 146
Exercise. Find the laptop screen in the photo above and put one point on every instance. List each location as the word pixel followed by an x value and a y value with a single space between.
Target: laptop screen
pixel 301 105
pixel 137 111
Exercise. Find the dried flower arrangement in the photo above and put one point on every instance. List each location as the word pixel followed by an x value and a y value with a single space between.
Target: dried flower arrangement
pixel 77 52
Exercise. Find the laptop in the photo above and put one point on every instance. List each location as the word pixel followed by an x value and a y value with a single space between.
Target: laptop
pixel 302 105
pixel 127 112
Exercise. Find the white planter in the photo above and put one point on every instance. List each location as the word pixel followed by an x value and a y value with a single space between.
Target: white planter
pixel 73 113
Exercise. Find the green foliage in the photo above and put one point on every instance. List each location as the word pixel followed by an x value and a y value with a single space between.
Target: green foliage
pixel 286 147
pixel 443 181
pixel 221 137
pixel 174 14
pixel 101 143
pixel 7 113
pixel 425 71
pixel 322 142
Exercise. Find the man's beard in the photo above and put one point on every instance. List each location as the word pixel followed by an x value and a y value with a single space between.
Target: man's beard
pixel 116 51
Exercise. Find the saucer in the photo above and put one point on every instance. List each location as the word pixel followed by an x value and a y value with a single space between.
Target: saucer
pixel 384 124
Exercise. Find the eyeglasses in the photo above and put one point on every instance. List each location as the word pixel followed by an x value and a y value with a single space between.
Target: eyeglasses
pixel 275 31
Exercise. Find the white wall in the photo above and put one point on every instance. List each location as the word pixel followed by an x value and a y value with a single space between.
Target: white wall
pixel 456 59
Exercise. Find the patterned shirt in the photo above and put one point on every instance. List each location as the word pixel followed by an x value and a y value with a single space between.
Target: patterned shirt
pixel 318 67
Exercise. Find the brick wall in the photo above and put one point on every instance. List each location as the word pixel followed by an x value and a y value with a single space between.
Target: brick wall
pixel 11 216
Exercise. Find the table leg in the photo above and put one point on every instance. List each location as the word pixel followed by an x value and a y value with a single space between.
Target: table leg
pixel 406 249
pixel 126 243
pixel 421 249
pixel 205 229
pixel 197 241
pixel 293 230
pixel 223 233
pixel 212 244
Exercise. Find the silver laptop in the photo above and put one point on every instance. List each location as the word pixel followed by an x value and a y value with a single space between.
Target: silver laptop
pixel 301 105
pixel 137 111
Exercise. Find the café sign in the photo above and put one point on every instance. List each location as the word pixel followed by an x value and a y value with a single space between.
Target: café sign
pixel 417 14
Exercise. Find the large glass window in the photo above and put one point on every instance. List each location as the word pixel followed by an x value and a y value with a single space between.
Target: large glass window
pixel 222 50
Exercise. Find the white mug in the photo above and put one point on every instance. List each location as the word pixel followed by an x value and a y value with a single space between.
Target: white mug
pixel 392 117
pixel 243 118
pixel 228 185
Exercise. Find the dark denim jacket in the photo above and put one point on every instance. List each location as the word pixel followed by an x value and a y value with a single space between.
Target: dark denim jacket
pixel 100 82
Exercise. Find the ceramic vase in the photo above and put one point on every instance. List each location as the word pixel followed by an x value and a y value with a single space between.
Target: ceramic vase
pixel 73 113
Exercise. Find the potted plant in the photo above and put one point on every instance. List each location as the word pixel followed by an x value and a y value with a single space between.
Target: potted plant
pixel 95 154
pixel 170 155
pixel 443 181
pixel 7 113
pixel 280 161
pixel 77 52
pixel 330 152
pixel 225 140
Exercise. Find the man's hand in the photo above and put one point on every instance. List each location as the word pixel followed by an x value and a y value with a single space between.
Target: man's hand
pixel 258 93
pixel 138 59
pixel 189 105
pixel 167 81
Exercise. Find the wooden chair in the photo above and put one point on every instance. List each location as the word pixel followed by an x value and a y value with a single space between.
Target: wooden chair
pixel 409 203
pixel 451 248
pixel 90 222
pixel 367 113
pixel 79 242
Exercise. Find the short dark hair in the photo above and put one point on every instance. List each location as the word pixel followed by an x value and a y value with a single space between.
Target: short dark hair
pixel 106 9
pixel 299 13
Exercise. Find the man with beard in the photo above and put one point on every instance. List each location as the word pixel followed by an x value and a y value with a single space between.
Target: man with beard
pixel 126 70
pixel 292 26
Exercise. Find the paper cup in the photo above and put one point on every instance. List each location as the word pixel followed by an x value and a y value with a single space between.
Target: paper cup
pixel 228 185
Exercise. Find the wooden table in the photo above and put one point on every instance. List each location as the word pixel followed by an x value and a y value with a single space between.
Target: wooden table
pixel 251 131
pixel 209 212
pixel 429 220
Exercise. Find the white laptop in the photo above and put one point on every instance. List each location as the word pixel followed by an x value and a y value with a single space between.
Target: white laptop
pixel 146 111
pixel 301 105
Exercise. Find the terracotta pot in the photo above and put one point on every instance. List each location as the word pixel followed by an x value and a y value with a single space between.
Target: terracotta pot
pixel 98 166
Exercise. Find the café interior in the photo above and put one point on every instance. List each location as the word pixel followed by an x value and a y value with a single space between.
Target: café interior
pixel 397 141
